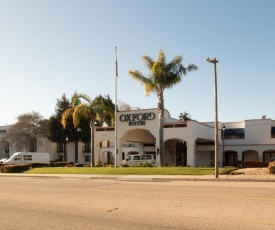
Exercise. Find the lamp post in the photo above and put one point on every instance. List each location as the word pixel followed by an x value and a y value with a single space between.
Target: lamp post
pixel 215 61
pixel 223 128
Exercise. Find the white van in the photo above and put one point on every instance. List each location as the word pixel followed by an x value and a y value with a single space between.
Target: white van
pixel 139 159
pixel 28 157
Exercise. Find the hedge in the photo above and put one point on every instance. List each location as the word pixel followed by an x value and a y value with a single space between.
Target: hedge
pixel 271 167
pixel 255 164
pixel 14 168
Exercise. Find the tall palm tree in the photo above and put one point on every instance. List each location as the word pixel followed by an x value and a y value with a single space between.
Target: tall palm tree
pixel 100 109
pixel 71 113
pixel 162 75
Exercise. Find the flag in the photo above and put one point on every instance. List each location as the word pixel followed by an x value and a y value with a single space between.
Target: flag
pixel 116 64
pixel 116 69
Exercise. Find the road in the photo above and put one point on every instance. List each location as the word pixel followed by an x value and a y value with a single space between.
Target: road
pixel 77 203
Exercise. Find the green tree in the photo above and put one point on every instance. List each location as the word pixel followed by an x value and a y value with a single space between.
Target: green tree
pixel 100 110
pixel 185 116
pixel 57 133
pixel 162 75
pixel 27 132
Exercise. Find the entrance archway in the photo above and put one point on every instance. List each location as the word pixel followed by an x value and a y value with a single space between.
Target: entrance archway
pixel 181 153
pixel 230 158
pixel 268 154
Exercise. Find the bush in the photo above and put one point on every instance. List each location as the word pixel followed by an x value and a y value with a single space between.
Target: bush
pixel 271 167
pixel 98 164
pixel 227 170
pixel 59 164
pixel 14 168
pixel 38 165
pixel 125 165
pixel 144 164
pixel 254 164
pixel 78 165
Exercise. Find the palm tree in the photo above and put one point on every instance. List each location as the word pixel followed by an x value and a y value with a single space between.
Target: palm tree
pixel 98 110
pixel 162 75
pixel 185 116
pixel 71 113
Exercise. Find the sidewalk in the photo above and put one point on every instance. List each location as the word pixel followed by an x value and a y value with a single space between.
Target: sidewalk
pixel 233 178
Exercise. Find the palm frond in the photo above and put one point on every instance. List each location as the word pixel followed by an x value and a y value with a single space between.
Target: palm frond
pixel 192 67
pixel 67 113
pixel 148 61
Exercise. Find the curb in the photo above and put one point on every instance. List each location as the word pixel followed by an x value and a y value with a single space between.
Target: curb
pixel 147 178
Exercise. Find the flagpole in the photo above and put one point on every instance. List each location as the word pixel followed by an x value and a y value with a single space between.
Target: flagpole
pixel 116 108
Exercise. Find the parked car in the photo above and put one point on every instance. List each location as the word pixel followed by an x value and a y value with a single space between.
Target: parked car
pixel 139 159
pixel 271 159
pixel 28 157
pixel 2 160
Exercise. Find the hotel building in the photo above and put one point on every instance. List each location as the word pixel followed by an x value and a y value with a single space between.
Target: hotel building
pixel 186 143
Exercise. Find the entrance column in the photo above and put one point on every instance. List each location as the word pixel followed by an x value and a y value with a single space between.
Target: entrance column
pixel 260 156
pixel 240 156
pixel 191 157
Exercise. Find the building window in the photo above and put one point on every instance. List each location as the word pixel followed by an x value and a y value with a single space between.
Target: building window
pixel 272 132
pixel 60 147
pixel 87 147
pixel 238 133
pixel 87 158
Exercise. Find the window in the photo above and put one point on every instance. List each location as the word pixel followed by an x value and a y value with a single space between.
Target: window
pixel 128 158
pixel 87 147
pixel 146 157
pixel 87 158
pixel 18 158
pixel 60 148
pixel 272 132
pixel 27 157
pixel 237 133
pixel 136 158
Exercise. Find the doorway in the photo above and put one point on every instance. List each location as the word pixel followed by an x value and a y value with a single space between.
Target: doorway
pixel 181 153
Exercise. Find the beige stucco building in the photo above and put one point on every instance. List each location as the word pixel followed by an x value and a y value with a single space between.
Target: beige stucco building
pixel 185 143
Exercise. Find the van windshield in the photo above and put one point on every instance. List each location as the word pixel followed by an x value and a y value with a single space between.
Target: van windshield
pixel 128 158
pixel 18 158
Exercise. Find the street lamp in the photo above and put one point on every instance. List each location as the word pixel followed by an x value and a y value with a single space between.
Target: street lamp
pixel 215 61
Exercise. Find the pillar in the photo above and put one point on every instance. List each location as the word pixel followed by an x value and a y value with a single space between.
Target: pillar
pixel 191 157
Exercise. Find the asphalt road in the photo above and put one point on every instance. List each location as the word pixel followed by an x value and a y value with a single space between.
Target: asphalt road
pixel 79 203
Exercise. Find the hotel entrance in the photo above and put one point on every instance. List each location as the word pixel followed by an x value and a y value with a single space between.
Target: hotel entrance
pixel 181 153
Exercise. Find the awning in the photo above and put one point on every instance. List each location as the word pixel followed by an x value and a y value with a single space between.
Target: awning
pixel 228 132
pixel 238 131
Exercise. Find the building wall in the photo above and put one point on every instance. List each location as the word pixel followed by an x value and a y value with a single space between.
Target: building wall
pixel 142 126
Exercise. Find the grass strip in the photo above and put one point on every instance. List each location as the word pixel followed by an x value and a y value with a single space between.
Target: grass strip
pixel 129 170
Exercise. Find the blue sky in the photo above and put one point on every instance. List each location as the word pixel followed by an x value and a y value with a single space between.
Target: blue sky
pixel 51 47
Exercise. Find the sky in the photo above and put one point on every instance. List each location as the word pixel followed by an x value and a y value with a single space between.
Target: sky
pixel 53 47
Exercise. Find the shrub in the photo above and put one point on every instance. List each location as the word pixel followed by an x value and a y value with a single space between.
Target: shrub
pixel 98 164
pixel 271 167
pixel 58 164
pixel 14 168
pixel 144 164
pixel 227 170
pixel 38 165
pixel 78 165
pixel 254 164
pixel 147 164
pixel 125 165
